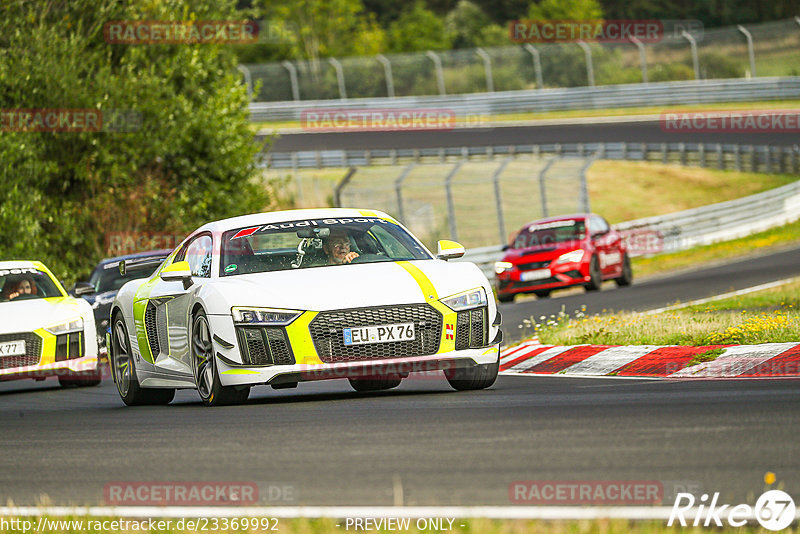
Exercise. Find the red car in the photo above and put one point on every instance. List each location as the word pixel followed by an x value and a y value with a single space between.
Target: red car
pixel 560 252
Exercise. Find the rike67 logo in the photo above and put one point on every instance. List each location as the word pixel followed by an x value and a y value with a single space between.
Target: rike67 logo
pixel 774 510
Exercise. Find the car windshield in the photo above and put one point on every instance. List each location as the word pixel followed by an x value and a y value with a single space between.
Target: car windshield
pixel 106 277
pixel 315 243
pixel 550 233
pixel 25 284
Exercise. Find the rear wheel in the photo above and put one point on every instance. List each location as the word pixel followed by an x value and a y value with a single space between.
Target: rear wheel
pixel 595 276
pixel 206 375
pixel 480 376
pixel 505 298
pixel 626 278
pixel 375 383
pixel 127 383
pixel 542 294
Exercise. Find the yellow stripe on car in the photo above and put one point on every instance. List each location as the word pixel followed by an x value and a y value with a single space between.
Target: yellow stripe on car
pixel 446 343
pixel 300 339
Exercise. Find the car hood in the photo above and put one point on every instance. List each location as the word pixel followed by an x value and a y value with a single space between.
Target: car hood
pixel 543 252
pixel 346 286
pixel 29 315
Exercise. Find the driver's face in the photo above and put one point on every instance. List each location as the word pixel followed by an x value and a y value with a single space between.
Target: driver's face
pixel 24 287
pixel 338 247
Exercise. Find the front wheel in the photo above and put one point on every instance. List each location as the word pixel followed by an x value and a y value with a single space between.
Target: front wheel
pixel 127 382
pixel 595 276
pixel 206 376
pixel 480 376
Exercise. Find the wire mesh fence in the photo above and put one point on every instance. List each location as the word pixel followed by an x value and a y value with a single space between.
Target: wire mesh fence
pixel 719 53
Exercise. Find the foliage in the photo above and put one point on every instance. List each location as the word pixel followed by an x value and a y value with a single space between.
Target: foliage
pixel 566 10
pixel 186 159
pixel 416 29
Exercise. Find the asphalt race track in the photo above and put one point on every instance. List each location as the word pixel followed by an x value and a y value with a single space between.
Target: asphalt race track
pixel 646 131
pixel 422 443
pixel 324 444
pixel 658 292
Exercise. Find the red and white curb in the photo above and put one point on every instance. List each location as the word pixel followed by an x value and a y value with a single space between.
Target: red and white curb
pixel 671 361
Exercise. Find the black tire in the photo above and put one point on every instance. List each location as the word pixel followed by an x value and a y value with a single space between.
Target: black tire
pixel 125 371
pixel 480 376
pixel 626 278
pixel 595 275
pixel 542 294
pixel 374 383
pixel 204 365
pixel 505 298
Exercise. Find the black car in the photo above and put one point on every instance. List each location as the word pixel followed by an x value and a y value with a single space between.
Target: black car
pixel 107 280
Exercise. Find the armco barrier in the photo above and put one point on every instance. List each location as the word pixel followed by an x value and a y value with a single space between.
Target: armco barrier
pixel 541 100
pixel 698 226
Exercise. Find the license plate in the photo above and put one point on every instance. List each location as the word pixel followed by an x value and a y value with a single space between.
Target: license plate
pixel 384 333
pixel 538 274
pixel 12 348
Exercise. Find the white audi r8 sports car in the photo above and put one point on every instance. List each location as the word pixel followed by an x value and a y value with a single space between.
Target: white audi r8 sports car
pixel 285 297
pixel 43 331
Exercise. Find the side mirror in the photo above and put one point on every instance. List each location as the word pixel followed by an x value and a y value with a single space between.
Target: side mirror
pixel 505 247
pixel 449 250
pixel 82 288
pixel 178 272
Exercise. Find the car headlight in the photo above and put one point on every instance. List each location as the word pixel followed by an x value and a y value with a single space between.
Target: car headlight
pixel 67 326
pixel 571 257
pixel 464 301
pixel 501 266
pixel 264 316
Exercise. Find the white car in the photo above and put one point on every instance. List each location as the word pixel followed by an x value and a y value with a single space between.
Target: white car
pixel 284 297
pixel 43 331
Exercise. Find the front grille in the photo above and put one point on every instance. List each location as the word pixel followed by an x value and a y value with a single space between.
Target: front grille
pixel 262 345
pixel 327 332
pixel 69 346
pixel 150 328
pixel 33 350
pixel 535 283
pixel 472 329
pixel 534 265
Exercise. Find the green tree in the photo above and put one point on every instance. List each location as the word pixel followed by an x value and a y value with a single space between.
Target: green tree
pixel 566 10
pixel 186 158
pixel 417 29
pixel 465 23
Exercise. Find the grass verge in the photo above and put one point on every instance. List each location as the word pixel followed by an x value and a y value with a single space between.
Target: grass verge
pixel 768 316
pixel 760 242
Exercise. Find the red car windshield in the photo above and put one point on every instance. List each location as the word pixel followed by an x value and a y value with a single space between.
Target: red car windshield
pixel 550 233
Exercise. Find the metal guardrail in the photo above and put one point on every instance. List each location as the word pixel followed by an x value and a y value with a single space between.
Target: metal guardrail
pixel 682 230
pixel 754 158
pixel 540 100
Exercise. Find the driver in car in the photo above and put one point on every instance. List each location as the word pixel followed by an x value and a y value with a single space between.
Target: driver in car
pixel 337 247
pixel 24 286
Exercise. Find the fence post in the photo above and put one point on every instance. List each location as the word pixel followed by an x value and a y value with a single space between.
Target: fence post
pixel 682 151
pixel 701 152
pixel 398 187
pixel 537 64
pixel 794 151
pixel 501 223
pixel 339 77
pixel 451 208
pixel 753 159
pixel 487 67
pixel 439 73
pixel 288 65
pixel 642 57
pixel 542 188
pixel 720 157
pixel 738 154
pixel 248 80
pixel 337 193
pixel 695 61
pixel 589 66
pixel 584 184
pixel 664 155
pixel 750 50
pixel 768 154
pixel 387 71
